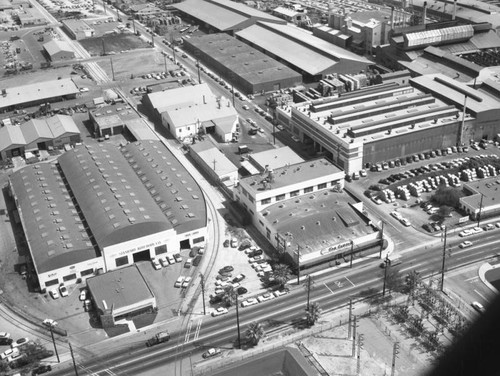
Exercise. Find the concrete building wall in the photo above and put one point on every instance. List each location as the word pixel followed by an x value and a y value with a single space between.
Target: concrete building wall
pixel 69 274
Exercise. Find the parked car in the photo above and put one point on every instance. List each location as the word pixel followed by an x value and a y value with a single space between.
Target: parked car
pixel 226 243
pixel 240 277
pixel 265 297
pixel 249 302
pixel 256 258
pixel 211 353
pixel 234 243
pixel 188 263
pixel 83 295
pixel 280 292
pixel 179 281
pixel 5 338
pixel 49 322
pixel 178 257
pixel 227 268
pixel 63 291
pixel 8 353
pixel 186 282
pixel 171 259
pixel 43 368
pixel 54 294
pixel 219 311
pixel 20 342
pixel 241 290
pixel 163 261
pixel 156 263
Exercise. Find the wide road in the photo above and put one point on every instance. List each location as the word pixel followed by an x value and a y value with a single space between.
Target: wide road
pixel 331 291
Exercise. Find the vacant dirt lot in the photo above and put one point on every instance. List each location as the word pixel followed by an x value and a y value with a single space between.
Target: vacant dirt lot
pixel 112 43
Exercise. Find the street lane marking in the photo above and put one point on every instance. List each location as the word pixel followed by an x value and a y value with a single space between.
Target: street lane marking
pixel 481 295
pixel 197 331
pixel 348 280
pixel 328 288
pixel 188 331
pixel 472 279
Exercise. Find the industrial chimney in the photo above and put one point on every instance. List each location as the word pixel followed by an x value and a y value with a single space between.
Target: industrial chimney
pixel 424 16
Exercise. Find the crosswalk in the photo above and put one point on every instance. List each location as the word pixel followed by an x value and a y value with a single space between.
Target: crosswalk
pixel 195 332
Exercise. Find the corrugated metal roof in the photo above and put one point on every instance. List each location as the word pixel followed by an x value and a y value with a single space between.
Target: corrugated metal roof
pixel 298 47
pixel 61 125
pixel 36 129
pixel 38 92
pixel 211 14
pixel 169 184
pixel 54 230
pixel 11 137
pixel 113 199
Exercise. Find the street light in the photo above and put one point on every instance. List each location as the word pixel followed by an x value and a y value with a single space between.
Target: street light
pixel 238 322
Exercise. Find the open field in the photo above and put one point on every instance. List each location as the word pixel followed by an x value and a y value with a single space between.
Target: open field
pixel 113 43
pixel 136 63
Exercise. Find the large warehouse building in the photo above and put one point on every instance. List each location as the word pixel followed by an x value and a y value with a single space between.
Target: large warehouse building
pixel 251 71
pixel 389 121
pixel 107 208
pixel 223 15
pixel 313 57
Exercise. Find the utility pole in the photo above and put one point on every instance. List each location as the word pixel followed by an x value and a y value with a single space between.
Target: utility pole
pixel 480 211
pixel 112 70
pixel 152 38
pixel 298 264
pixel 360 346
pixel 354 326
pixel 350 319
pixel 238 322
pixel 103 48
pixel 202 277
pixel 444 257
pixel 198 65
pixel 387 265
pixel 308 284
pixel 165 62
pixel 54 342
pixel 352 253
pixel 133 23
pixel 381 239
pixel 395 353
pixel 232 90
pixel 73 357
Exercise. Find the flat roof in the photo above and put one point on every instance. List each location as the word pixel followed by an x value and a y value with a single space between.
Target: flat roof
pixel 77 25
pixel 140 130
pixel 119 288
pixel 187 95
pixel 487 188
pixel 242 59
pixel 293 174
pixel 54 230
pixel 184 114
pixel 38 92
pixel 55 46
pixel 298 47
pixel 113 199
pixel 113 115
pixel 454 91
pixel 275 158
pixel 175 192
pixel 214 158
pixel 316 220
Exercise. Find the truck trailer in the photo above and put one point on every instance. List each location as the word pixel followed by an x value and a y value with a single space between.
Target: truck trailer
pixel 158 338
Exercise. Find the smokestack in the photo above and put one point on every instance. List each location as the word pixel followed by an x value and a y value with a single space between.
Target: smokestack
pixel 454 10
pixel 425 13
pixel 392 17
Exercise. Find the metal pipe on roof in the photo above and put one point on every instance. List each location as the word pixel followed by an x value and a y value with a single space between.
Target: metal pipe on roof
pixel 454 14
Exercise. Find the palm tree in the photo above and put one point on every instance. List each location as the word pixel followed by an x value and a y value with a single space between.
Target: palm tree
pixel 229 296
pixel 313 314
pixel 254 333
pixel 281 274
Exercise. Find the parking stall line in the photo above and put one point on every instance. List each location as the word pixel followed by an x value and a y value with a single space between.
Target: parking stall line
pixel 328 288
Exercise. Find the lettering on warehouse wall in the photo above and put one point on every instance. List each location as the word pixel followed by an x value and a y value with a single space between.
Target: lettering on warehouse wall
pixel 140 248
pixel 336 247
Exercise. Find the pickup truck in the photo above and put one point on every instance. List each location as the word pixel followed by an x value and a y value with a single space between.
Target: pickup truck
pixel 158 338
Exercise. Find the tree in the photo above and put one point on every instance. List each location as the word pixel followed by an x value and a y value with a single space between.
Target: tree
pixel 229 296
pixel 313 314
pixel 281 274
pixel 447 196
pixel 412 281
pixel 254 333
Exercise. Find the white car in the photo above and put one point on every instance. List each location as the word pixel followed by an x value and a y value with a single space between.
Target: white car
pixel 49 322
pixel 163 261
pixel 465 233
pixel 84 89
pixel 255 259
pixel 245 107
pixel 405 222
pixel 156 264
pixel 9 352
pixel 83 295
pixel 280 292
pixel 249 302
pixel 477 230
pixel 54 294
pixel 179 281
pixel 20 342
pixel 265 297
pixel 63 291
pixel 478 307
pixel 234 243
pixel 178 257
pixel 171 259
pixel 219 311
pixel 396 215
pixel 465 244
pixel 186 282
